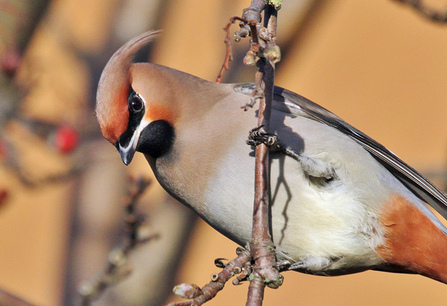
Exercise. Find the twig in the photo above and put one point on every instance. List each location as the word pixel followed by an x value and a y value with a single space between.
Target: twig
pixel 228 53
pixel 429 13
pixel 11 300
pixel 10 157
pixel 240 265
pixel 229 50
pixel 116 269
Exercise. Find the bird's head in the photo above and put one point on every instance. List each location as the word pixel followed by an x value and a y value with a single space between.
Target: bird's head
pixel 129 116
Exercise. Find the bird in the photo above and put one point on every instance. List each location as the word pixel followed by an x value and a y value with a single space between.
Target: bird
pixel 343 204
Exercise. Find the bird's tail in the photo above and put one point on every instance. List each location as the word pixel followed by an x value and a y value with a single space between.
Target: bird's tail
pixel 412 241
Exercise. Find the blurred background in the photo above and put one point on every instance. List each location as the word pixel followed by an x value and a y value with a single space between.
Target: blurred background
pixel 376 63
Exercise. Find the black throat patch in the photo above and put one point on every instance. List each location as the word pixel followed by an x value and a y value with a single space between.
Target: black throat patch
pixel 156 139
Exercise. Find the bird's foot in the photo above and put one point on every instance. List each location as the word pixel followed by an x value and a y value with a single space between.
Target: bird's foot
pixel 258 136
pixel 313 167
pixel 243 272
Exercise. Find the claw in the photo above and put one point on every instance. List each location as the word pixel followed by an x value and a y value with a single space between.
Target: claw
pixel 257 136
pixel 218 262
pixel 283 265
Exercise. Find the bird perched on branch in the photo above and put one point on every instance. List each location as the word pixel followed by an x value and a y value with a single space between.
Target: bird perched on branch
pixel 342 204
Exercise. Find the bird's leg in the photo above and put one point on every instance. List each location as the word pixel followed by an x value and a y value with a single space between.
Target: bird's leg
pixel 311 166
pixel 313 264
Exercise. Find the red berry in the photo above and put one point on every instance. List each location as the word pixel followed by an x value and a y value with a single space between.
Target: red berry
pixel 3 196
pixel 66 139
pixel 10 62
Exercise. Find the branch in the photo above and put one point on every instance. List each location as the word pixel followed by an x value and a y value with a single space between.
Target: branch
pixel 18 21
pixel 229 50
pixel 261 246
pixel 240 265
pixel 427 12
pixel 11 300
pixel 116 269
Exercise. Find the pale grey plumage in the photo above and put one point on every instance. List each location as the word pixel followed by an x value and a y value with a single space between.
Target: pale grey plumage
pixel 418 184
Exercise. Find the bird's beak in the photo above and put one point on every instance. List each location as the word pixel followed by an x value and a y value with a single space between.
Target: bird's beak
pixel 127 152
pixel 126 155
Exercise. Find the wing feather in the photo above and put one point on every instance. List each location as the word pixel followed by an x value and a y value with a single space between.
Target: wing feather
pixel 414 181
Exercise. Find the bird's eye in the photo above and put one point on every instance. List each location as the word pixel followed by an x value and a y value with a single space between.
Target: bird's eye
pixel 136 104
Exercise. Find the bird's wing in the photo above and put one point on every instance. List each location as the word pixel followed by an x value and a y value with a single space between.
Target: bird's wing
pixel 414 181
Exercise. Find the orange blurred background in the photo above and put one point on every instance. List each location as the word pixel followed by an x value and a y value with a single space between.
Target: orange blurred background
pixel 376 63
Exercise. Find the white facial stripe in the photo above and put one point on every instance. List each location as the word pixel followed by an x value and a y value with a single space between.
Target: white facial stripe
pixel 132 143
pixel 136 135
pixel 128 152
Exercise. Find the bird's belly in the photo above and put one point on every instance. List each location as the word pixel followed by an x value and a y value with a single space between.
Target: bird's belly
pixel 307 220
pixel 310 217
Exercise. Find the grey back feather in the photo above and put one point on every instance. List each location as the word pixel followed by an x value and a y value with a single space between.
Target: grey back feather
pixel 415 182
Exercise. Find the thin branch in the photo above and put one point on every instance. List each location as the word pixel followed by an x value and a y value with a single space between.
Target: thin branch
pixel 229 50
pixel 429 13
pixel 240 265
pixel 253 12
pixel 261 246
pixel 11 300
pixel 228 53
pixel 18 20
pixel 116 269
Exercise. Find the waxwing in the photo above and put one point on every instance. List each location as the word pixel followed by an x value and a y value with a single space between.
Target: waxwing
pixel 347 204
